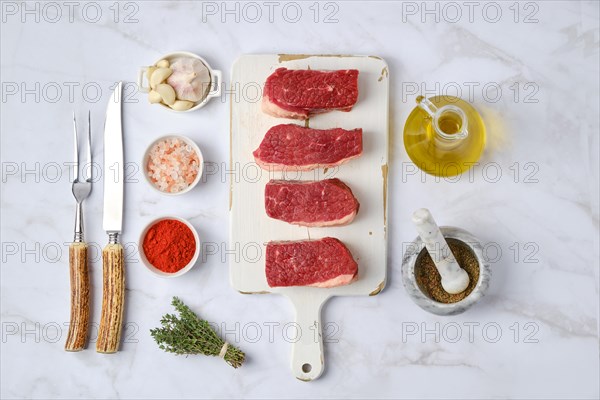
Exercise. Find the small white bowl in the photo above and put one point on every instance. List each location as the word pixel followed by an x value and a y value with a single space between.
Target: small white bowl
pixel 157 271
pixel 188 141
pixel 215 79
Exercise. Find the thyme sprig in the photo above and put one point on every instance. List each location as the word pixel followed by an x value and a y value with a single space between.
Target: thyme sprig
pixel 188 334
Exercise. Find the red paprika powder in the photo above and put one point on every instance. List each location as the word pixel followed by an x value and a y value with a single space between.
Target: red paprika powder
pixel 169 245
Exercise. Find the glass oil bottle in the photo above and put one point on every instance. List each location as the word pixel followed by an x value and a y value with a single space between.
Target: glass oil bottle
pixel 444 135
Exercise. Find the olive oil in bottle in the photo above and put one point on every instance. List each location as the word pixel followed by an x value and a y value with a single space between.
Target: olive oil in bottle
pixel 444 135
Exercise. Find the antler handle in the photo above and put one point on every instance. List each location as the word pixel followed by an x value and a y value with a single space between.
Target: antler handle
pixel 113 299
pixel 80 297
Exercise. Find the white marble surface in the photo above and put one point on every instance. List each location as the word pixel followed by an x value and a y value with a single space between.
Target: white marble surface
pixel 547 291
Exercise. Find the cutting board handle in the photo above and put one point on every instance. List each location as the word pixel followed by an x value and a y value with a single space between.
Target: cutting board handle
pixel 308 361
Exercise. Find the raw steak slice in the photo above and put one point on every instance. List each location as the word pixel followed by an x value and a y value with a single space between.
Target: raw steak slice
pixel 293 147
pixel 323 263
pixel 320 203
pixel 299 93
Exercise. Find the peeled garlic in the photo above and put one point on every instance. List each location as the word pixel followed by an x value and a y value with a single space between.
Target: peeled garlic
pixel 182 105
pixel 149 73
pixel 154 97
pixel 163 64
pixel 190 79
pixel 167 93
pixel 159 76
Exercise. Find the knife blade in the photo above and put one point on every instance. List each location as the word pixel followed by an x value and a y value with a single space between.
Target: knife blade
pixel 113 268
pixel 113 164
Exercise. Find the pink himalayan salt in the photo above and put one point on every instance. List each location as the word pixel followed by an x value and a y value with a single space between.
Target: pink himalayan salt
pixel 173 165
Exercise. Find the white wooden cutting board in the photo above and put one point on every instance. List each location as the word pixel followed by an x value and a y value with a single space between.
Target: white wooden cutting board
pixel 251 228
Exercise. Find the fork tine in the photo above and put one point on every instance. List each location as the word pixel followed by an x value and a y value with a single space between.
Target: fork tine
pixel 89 147
pixel 75 150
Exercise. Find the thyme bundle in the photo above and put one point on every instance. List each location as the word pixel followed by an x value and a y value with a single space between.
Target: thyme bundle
pixel 188 334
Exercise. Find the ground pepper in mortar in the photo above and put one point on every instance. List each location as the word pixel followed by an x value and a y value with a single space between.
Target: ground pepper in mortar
pixel 169 245
pixel 429 280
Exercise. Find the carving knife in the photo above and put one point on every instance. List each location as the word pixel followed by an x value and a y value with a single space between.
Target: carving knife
pixel 113 268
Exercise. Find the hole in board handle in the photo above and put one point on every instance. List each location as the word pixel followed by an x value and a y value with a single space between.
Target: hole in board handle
pixel 306 368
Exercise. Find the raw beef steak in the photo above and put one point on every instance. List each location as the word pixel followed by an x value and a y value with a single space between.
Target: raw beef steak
pixel 293 147
pixel 311 203
pixel 323 263
pixel 299 93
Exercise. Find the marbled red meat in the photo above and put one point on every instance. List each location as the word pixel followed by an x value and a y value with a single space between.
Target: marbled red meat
pixel 328 202
pixel 324 262
pixel 294 147
pixel 299 93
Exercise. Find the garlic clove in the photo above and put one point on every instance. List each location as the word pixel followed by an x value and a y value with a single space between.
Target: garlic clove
pixel 163 64
pixel 149 73
pixel 159 76
pixel 190 79
pixel 167 93
pixel 182 105
pixel 154 97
